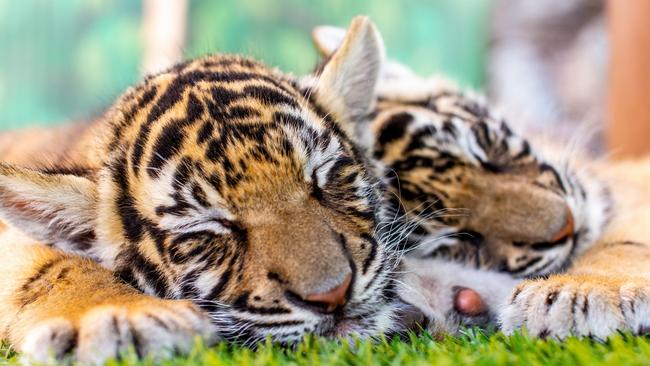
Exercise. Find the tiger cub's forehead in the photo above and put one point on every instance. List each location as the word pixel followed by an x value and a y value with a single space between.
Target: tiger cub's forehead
pixel 229 120
pixel 436 115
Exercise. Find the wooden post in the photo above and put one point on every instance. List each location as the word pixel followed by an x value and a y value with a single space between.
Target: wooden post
pixel 628 130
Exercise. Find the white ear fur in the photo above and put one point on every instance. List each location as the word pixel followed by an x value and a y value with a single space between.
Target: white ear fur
pixel 57 209
pixel 327 39
pixel 348 81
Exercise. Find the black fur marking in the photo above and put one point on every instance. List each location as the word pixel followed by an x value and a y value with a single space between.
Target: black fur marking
pixel 167 145
pixel 394 128
pixel 63 274
pixel 132 222
pixel 316 191
pixel 199 195
pixel 371 255
pixel 550 245
pixel 218 289
pixel 547 168
pixel 138 340
pixel 550 299
pixel 273 276
pixel 205 132
pixel 279 324
pixel 166 101
pixel 482 134
pixel 43 270
pixel 243 112
pixel 83 240
pixel 625 243
pixel 522 268
pixel 449 128
pixel 79 171
pixel 200 240
pixel 241 304
pixel 159 322
pixel 179 208
pixel 544 334
pixel 418 139
pixel 525 151
pixel 515 295
pixel 131 260
pixel 269 96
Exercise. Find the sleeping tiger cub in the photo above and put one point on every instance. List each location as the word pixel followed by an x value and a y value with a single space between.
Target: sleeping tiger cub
pixel 219 198
pixel 482 207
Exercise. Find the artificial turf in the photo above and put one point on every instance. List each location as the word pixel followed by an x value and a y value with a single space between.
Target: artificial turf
pixel 473 347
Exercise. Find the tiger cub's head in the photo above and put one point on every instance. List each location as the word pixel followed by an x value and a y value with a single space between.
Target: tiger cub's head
pixel 465 187
pixel 229 183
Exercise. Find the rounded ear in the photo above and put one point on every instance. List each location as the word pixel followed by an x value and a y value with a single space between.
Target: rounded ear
pixel 56 209
pixel 327 39
pixel 347 82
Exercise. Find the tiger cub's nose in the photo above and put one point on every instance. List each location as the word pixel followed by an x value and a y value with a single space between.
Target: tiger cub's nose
pixel 567 229
pixel 332 299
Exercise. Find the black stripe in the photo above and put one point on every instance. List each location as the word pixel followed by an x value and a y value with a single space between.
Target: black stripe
pixel 547 168
pixel 269 96
pixel 216 291
pixel 131 260
pixel 166 101
pixel 287 323
pixel 394 128
pixel 525 266
pixel 199 195
pixel 167 145
pixel 418 139
pixel 205 132
pixel 132 222
pixel 371 255
pixel 43 270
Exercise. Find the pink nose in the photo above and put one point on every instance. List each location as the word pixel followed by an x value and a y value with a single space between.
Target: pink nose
pixel 469 302
pixel 568 228
pixel 333 298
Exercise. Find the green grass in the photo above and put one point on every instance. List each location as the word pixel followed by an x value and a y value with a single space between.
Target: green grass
pixel 472 348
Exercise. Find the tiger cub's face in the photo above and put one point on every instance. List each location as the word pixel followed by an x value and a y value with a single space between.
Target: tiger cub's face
pixel 465 187
pixel 473 191
pixel 238 187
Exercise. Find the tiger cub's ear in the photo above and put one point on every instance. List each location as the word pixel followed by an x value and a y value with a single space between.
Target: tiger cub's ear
pixel 55 209
pixel 347 82
pixel 327 39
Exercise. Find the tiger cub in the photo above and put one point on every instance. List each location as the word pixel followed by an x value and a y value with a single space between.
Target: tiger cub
pixel 483 207
pixel 219 198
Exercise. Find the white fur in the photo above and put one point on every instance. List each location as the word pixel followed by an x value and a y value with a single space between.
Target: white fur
pixel 609 308
pixel 107 332
pixel 429 285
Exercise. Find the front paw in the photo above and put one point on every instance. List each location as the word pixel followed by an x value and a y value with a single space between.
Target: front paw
pixel 151 327
pixel 579 305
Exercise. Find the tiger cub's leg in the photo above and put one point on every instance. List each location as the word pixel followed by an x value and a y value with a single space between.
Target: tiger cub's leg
pixel 53 304
pixel 606 290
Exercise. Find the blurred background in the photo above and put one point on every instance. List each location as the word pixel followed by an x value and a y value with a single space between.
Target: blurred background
pixel 65 60
pixel 546 62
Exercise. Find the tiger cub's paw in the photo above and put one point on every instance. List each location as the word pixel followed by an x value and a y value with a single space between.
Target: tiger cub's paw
pixel 564 305
pixel 151 327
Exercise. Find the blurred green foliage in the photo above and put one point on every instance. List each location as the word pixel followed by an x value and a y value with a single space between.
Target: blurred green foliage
pixel 63 60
